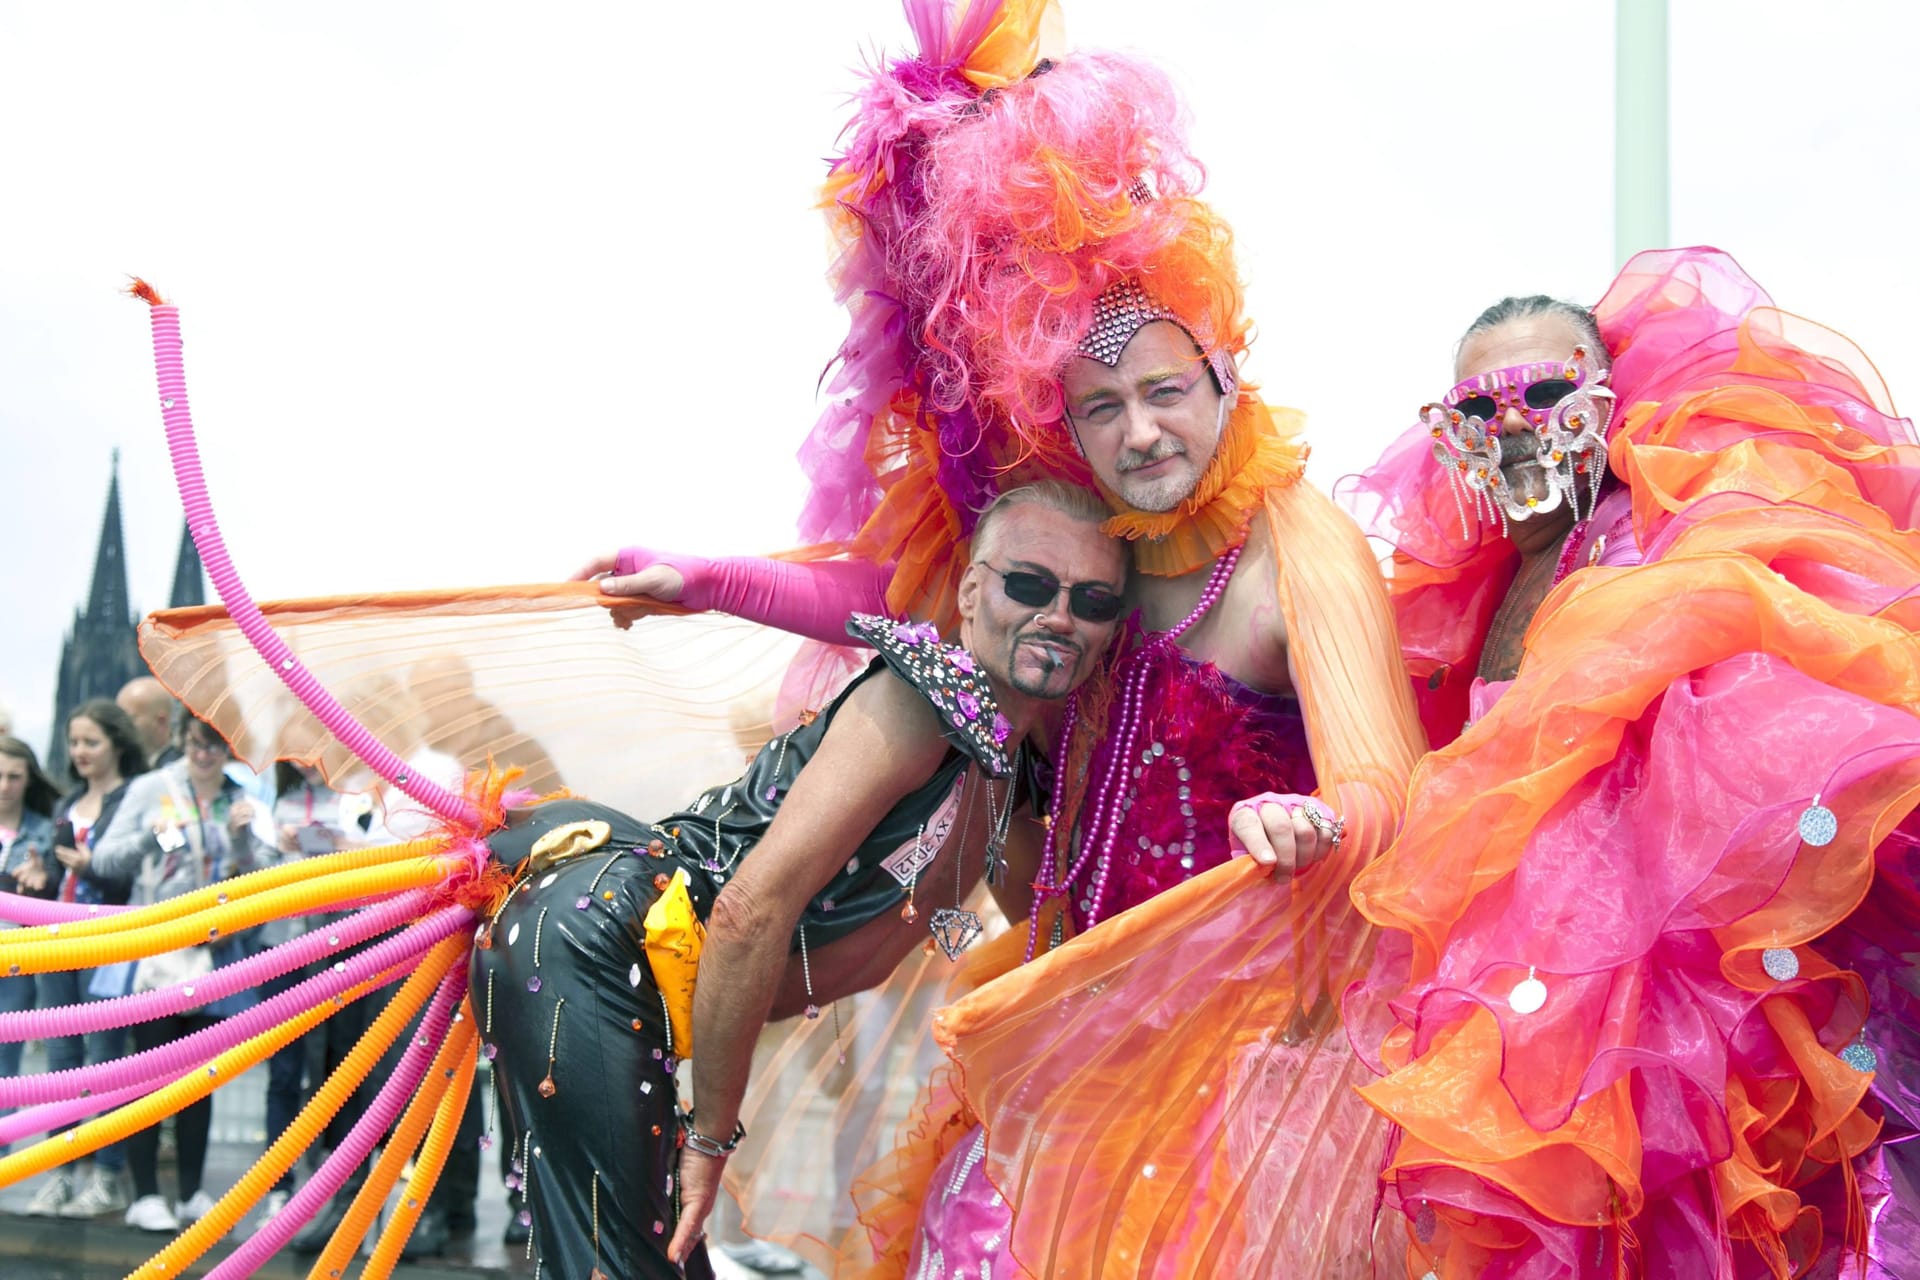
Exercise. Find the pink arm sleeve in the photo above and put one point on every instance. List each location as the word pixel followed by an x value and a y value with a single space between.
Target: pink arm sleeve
pixel 809 598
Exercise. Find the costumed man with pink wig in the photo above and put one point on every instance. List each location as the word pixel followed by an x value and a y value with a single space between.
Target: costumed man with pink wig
pixel 1646 997
pixel 1037 287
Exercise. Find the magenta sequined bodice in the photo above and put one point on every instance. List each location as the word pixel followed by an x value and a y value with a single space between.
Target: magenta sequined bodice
pixel 1208 741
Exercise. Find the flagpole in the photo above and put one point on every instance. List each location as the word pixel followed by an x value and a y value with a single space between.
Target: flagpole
pixel 1640 166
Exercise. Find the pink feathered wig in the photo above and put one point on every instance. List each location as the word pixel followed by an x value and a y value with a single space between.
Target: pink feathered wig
pixel 983 200
pixel 1060 185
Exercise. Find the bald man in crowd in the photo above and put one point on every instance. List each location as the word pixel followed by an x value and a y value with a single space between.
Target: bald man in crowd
pixel 150 707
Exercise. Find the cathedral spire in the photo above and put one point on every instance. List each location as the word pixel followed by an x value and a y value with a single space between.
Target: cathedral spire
pixel 107 600
pixel 189 583
pixel 100 653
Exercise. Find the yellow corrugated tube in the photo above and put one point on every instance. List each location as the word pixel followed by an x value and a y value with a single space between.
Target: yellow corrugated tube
pixel 52 954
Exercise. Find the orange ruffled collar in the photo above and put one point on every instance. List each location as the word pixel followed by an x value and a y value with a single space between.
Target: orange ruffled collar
pixel 1261 449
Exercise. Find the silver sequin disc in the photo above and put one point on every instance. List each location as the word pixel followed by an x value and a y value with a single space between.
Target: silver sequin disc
pixel 633 976
pixel 1818 826
pixel 1781 964
pixel 513 935
pixel 1860 1057
pixel 1529 995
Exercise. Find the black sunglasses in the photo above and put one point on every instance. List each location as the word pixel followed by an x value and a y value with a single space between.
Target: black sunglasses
pixel 1087 601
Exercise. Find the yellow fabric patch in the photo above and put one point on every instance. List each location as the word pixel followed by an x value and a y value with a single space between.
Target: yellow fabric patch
pixel 674 938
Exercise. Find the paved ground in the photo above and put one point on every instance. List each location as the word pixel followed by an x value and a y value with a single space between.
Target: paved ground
pixel 106 1249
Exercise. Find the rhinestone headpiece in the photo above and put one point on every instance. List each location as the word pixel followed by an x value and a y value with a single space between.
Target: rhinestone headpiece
pixel 1121 311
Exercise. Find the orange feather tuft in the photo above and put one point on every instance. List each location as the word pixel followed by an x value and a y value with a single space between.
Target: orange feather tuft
pixel 141 289
pixel 486 792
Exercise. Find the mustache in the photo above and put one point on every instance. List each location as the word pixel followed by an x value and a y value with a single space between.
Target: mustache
pixel 1051 645
pixel 1133 461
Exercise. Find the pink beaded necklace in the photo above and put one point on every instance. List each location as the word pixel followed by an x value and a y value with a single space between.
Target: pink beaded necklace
pixel 1102 830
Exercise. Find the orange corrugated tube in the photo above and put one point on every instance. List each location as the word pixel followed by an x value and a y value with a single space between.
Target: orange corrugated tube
pixel 333 1260
pixel 254 882
pixel 426 1170
pixel 306 1128
pixel 197 1239
pixel 53 954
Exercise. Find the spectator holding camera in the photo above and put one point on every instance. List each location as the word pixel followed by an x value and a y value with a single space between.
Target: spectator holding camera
pixel 182 827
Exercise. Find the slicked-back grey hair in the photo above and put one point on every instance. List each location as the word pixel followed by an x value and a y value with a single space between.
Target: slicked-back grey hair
pixel 1070 500
pixel 1539 304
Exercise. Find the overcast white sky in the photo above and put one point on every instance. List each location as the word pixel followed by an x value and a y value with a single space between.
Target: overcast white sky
pixel 474 291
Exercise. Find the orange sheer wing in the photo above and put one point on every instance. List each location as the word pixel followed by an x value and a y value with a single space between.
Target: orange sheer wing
pixel 538 677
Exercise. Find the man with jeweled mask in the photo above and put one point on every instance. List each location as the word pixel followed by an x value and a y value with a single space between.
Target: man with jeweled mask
pixel 1645 996
pixel 1525 439
pixel 1038 287
pixel 1521 441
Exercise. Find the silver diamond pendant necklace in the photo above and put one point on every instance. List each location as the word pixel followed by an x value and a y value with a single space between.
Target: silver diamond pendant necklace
pixel 954 928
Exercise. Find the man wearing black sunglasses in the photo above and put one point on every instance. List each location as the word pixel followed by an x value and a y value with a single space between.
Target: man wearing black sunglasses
pixel 1047 634
pixel 1031 586
pixel 850 843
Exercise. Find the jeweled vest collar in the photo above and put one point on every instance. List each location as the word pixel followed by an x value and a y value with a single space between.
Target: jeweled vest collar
pixel 949 678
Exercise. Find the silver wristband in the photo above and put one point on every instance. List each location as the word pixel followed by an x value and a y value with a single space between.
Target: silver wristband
pixel 706 1146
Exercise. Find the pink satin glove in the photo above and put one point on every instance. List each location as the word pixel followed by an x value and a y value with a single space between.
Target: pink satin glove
pixel 695 588
pixel 1289 833
pixel 808 598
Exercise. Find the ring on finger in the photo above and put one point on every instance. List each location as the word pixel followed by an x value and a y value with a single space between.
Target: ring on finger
pixel 1334 829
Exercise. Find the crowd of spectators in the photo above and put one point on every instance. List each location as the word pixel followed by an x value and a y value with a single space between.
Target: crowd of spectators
pixel 155 808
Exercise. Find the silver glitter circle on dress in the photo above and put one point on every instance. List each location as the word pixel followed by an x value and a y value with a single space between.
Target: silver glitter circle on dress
pixel 1529 995
pixel 1781 964
pixel 1818 826
pixel 1860 1056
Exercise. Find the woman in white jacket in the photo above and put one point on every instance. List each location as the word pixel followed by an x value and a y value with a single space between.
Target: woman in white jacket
pixel 180 828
